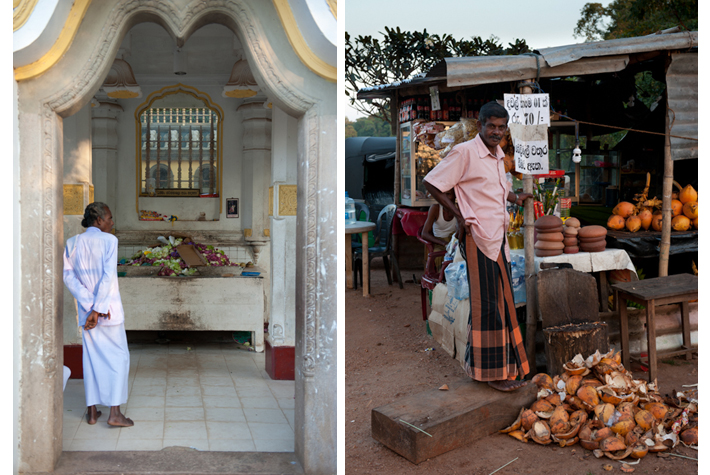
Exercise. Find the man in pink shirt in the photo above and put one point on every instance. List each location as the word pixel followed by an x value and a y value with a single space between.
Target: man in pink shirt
pixel 476 172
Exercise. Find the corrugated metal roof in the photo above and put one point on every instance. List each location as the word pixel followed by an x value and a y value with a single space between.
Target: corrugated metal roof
pixel 682 84
pixel 492 69
pixel 640 44
pixel 571 60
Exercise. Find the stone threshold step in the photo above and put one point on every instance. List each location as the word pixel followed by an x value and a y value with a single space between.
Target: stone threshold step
pixel 468 411
pixel 177 461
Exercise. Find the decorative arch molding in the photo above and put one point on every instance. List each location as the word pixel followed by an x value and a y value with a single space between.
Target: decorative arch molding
pixel 179 88
pixel 180 24
pixel 21 11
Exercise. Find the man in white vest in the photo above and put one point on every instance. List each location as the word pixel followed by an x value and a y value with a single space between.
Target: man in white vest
pixel 90 273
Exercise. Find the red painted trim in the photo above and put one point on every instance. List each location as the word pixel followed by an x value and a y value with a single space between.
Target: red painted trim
pixel 280 361
pixel 73 361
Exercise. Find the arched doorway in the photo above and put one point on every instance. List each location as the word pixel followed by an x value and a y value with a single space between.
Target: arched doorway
pixel 45 100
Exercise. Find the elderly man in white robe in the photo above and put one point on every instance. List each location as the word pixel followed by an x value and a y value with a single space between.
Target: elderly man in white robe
pixel 90 261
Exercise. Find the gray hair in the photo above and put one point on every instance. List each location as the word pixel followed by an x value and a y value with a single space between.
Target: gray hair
pixel 93 212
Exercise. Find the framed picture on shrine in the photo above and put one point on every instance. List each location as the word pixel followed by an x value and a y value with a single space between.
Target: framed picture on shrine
pixel 232 207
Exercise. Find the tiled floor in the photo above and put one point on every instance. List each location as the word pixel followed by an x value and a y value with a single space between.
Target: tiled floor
pixel 206 396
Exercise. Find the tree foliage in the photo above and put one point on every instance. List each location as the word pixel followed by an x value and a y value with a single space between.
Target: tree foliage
pixel 367 127
pixel 627 18
pixel 349 129
pixel 401 55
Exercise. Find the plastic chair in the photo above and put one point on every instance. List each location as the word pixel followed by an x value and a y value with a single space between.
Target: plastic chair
pixel 431 275
pixel 382 247
pixel 359 209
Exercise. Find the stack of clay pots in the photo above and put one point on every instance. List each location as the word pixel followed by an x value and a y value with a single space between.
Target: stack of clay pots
pixel 570 233
pixel 549 239
pixel 592 238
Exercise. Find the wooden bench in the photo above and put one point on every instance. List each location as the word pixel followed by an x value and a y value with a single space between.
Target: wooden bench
pixel 671 289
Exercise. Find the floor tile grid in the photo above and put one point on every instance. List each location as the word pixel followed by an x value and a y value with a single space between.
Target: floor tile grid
pixel 266 427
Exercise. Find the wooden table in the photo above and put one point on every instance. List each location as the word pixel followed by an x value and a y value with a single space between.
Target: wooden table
pixel 679 288
pixel 362 227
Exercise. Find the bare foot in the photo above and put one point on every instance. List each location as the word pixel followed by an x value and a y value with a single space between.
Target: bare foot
pixel 507 386
pixel 117 419
pixel 92 415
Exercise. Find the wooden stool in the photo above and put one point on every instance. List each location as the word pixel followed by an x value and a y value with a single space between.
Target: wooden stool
pixel 651 292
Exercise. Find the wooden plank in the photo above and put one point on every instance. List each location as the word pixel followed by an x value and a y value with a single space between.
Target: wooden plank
pixel 678 352
pixel 660 287
pixel 685 325
pixel 566 296
pixel 468 411
pixel 651 335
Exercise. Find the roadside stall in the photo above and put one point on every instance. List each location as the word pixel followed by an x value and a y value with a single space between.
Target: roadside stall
pixel 597 144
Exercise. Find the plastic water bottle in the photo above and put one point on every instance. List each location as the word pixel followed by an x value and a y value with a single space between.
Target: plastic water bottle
pixel 350 217
pixel 517 267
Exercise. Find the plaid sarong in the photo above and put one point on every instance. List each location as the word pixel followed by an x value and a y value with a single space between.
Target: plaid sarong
pixel 495 349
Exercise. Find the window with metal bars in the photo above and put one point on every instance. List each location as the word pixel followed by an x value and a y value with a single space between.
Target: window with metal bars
pixel 182 143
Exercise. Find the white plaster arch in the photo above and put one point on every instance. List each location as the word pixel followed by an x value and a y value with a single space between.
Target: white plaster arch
pixel 76 85
pixel 67 87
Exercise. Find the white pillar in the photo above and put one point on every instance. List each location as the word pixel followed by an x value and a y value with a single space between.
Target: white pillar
pixel 78 193
pixel 284 152
pixel 256 176
pixel 105 149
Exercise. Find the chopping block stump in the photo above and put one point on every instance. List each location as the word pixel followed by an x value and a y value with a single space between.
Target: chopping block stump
pixel 468 411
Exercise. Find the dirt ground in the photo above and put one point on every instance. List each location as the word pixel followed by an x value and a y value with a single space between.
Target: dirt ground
pixel 386 359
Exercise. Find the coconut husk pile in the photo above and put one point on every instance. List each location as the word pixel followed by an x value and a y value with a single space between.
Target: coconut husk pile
pixel 597 403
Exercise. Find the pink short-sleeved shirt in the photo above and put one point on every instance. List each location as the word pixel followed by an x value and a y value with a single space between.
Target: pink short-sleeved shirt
pixel 479 181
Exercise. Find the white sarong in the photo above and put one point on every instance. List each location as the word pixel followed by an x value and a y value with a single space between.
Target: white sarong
pixel 106 363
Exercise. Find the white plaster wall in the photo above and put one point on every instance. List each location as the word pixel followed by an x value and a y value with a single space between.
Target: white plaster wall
pixel 186 209
pixel 17 284
pixel 77 147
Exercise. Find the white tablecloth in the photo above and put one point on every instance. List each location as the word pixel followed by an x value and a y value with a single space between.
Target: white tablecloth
pixel 609 259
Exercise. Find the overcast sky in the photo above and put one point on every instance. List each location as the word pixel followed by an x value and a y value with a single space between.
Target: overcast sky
pixel 542 23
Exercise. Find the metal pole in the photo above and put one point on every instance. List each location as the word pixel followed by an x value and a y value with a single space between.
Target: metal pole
pixel 530 290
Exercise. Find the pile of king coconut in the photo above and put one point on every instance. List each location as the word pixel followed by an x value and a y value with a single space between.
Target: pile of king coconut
pixel 597 403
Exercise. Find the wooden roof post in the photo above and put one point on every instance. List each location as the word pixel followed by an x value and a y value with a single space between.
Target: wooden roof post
pixel 530 290
pixel 667 191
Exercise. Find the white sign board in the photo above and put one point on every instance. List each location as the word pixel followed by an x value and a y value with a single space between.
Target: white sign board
pixel 434 93
pixel 529 117
pixel 531 157
pixel 528 109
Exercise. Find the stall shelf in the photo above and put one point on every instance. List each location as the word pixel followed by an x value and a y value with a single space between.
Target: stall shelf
pixel 416 160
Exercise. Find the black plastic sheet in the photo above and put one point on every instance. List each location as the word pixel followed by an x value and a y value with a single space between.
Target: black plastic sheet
pixel 647 243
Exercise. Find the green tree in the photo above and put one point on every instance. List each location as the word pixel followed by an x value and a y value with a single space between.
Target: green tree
pixel 372 127
pixel 627 18
pixel 400 55
pixel 349 129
